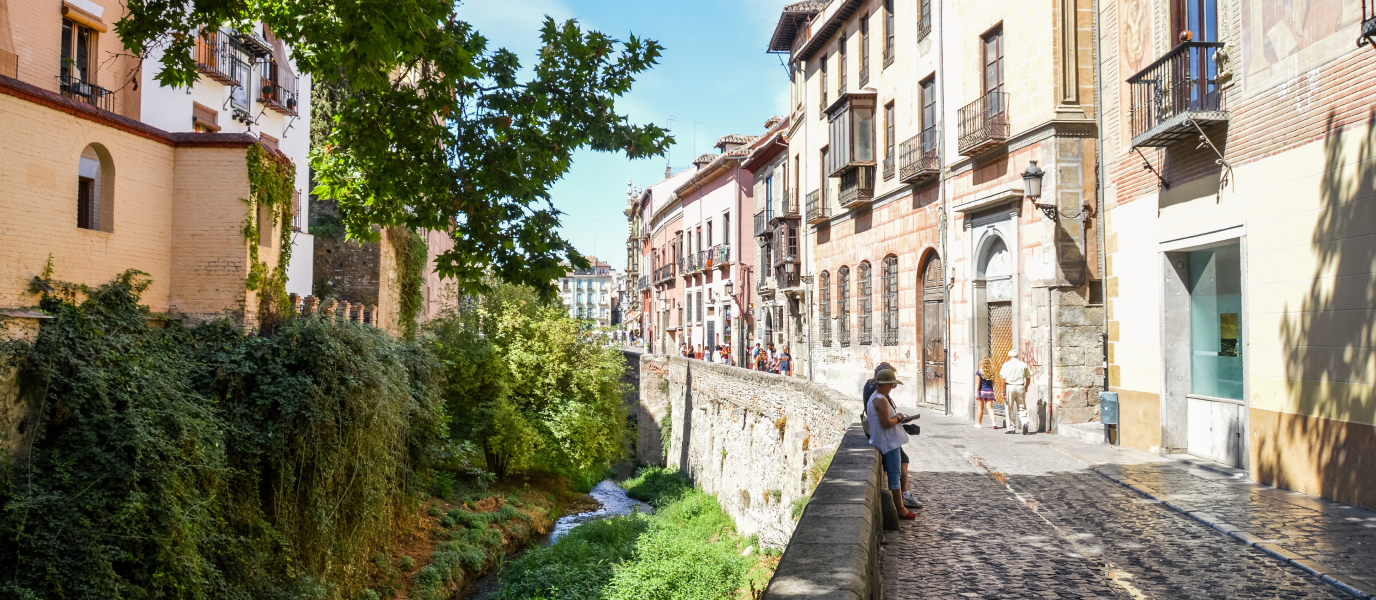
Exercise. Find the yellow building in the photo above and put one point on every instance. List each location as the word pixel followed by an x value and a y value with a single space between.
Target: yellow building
pixel 1238 149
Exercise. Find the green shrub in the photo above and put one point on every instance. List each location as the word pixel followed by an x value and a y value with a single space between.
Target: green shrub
pixel 405 563
pixel 578 566
pixel 657 485
pixel 669 565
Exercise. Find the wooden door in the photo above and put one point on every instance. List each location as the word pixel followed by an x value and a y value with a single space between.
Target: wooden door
pixel 933 335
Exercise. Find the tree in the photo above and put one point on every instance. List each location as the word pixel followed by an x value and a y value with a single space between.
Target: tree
pixel 432 129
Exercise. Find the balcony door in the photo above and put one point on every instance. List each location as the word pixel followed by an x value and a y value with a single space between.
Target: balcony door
pixel 1197 21
pixel 992 77
pixel 933 335
pixel 1198 17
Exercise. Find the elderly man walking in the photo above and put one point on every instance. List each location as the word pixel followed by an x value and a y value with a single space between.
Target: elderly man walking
pixel 1015 374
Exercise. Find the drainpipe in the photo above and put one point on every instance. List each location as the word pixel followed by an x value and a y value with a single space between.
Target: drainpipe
pixel 740 318
pixel 1099 184
pixel 941 193
pixel 1050 356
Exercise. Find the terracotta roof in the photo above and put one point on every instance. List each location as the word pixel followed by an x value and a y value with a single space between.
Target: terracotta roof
pixel 705 159
pixel 734 138
pixel 793 18
pixel 823 34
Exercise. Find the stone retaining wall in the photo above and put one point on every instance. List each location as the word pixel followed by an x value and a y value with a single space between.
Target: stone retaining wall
pixel 750 438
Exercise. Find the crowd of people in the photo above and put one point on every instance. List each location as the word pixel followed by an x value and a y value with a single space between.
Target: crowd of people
pixel 766 358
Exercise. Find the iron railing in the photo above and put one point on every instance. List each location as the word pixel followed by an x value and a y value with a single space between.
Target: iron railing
pixel 984 123
pixel 664 273
pixel 1184 80
pixel 77 89
pixel 817 210
pixel 857 186
pixel 784 277
pixel 864 72
pixel 720 255
pixel 219 58
pixel 703 260
pixel 888 166
pixel 761 223
pixel 643 282
pixel 788 205
pixel 278 87
pixel 690 265
pixel 917 157
pixel 924 25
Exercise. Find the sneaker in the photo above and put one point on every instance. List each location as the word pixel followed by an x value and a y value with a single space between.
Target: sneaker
pixel 979 426
pixel 909 502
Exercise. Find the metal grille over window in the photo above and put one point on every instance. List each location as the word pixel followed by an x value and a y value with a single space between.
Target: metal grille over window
pixel 866 307
pixel 890 335
pixel 843 306
pixel 1000 339
pixel 825 324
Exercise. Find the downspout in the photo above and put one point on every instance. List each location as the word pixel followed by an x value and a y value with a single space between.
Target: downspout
pixel 1099 185
pixel 740 317
pixel 941 193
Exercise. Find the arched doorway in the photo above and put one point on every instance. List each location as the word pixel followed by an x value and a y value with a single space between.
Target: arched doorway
pixel 933 333
pixel 994 305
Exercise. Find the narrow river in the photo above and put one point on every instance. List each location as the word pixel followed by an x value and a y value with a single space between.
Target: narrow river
pixel 614 503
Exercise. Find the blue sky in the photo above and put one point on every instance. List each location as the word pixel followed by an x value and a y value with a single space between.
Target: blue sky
pixel 714 71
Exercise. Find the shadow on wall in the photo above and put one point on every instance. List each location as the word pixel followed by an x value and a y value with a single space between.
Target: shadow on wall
pixel 683 464
pixel 1329 340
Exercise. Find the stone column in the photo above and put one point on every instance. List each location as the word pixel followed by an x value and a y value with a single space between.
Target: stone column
pixel 309 305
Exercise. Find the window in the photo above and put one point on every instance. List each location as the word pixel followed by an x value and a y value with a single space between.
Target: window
pixel 992 52
pixel 890 335
pixel 726 228
pixel 888 32
pixel 690 307
pixel 1215 277
pixel 864 49
pixel 822 81
pixel 890 132
pixel 825 325
pixel 924 19
pixel 843 306
pixel 928 98
pixel 826 181
pixel 709 233
pixel 204 119
pixel 95 189
pixel 866 308
pixel 78 48
pixel 841 66
pixel 769 197
pixel 1199 17
pixel 851 134
pixel 699 307
pixel 793 242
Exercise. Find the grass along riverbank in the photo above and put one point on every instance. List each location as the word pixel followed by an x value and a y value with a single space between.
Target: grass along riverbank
pixel 687 550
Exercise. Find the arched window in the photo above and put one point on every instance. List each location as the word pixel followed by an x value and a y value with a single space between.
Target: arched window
pixel 843 306
pixel 95 190
pixel 890 335
pixel 865 293
pixel 825 325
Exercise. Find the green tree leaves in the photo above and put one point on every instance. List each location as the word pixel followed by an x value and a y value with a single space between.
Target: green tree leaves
pixel 429 127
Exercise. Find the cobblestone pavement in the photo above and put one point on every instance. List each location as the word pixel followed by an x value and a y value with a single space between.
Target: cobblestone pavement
pixel 1011 516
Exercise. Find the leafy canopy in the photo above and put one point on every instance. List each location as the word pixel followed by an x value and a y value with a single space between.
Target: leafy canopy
pixel 481 166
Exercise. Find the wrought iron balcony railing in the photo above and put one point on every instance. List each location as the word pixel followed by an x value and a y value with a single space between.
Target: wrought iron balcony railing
pixel 278 87
pixel 1174 93
pixel 917 158
pixel 704 260
pixel 664 273
pixel 219 57
pixel 817 210
pixel 864 73
pixel 888 52
pixel 9 64
pixel 984 123
pixel 719 255
pixel 857 187
pixel 762 223
pixel 76 89
pixel 690 265
pixel 924 26
pixel 888 166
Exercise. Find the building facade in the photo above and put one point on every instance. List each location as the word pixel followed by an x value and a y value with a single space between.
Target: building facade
pixel 915 128
pixel 106 171
pixel 588 293
pixel 1238 151
pixel 780 315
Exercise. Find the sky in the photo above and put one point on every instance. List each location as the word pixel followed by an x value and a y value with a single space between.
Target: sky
pixel 713 76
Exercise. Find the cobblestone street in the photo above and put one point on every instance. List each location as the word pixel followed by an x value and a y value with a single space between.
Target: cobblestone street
pixel 1011 516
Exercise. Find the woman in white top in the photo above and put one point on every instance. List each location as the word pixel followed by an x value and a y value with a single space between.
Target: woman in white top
pixel 887 435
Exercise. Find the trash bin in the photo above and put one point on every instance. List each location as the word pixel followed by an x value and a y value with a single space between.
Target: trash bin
pixel 1108 415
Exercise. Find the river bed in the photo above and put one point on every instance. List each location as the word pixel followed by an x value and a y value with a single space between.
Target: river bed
pixel 614 503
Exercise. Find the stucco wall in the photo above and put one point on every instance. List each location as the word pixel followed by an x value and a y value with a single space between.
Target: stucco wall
pixel 748 437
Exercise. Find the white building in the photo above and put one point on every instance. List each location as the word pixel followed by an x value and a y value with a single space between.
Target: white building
pixel 588 293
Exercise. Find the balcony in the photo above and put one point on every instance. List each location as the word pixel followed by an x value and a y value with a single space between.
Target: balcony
pixel 984 124
pixel 888 165
pixel 219 58
pixel 762 223
pixel 77 89
pixel 857 187
pixel 691 264
pixel 785 276
pixel 704 260
pixel 924 25
pixel 917 158
pixel 788 209
pixel 1174 93
pixel 719 255
pixel 817 210
pixel 664 274
pixel 643 282
pixel 278 87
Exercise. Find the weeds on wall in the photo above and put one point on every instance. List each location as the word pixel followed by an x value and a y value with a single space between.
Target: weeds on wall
pixel 272 185
pixel 413 256
pixel 206 462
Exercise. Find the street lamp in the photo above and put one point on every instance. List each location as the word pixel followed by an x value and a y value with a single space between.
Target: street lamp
pixel 1032 184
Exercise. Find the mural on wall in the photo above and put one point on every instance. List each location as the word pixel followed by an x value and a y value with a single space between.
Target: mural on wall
pixel 1277 29
pixel 1134 52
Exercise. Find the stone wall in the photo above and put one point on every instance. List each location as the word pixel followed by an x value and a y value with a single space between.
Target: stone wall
pixel 748 437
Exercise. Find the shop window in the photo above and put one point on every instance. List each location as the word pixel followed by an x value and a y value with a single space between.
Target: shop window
pixel 1216 322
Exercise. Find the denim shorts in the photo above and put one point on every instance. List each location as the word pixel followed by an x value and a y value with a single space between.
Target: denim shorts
pixel 893 465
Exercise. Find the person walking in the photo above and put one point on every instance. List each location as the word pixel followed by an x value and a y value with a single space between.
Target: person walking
pixel 761 359
pixel 985 395
pixel 887 435
pixel 1015 374
pixel 773 359
pixel 754 363
pixel 785 362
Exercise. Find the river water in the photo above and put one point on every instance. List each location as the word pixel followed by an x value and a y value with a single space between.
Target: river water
pixel 614 502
